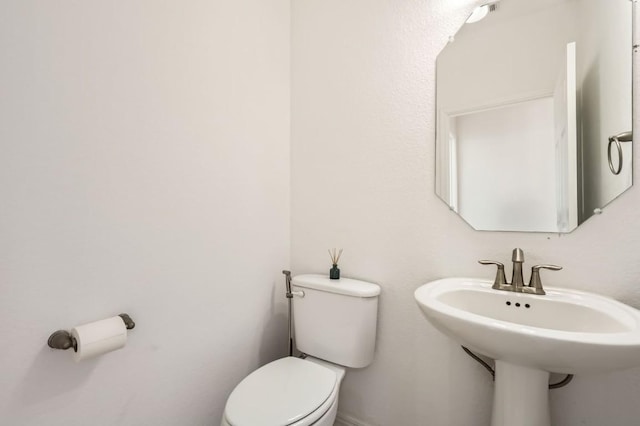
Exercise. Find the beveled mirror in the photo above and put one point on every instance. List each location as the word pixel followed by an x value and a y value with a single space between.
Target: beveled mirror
pixel 534 113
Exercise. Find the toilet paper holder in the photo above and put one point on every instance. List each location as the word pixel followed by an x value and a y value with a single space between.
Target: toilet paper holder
pixel 62 339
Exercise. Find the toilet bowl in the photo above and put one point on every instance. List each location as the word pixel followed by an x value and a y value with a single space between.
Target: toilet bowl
pixel 335 324
pixel 286 392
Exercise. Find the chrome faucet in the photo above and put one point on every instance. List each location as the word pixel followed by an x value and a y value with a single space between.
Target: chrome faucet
pixel 517 281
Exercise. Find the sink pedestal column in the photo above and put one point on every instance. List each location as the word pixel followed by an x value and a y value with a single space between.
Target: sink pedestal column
pixel 521 396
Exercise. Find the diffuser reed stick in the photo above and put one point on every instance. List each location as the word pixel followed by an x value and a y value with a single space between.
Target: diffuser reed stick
pixel 335 258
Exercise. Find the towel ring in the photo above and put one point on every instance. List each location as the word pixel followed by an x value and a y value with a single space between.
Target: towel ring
pixel 621 137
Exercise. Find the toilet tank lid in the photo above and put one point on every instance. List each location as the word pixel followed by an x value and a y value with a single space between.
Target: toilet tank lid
pixel 346 286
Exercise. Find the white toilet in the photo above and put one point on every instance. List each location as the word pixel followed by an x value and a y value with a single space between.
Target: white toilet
pixel 335 325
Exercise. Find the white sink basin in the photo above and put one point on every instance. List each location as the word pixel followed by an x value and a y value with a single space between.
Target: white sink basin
pixel 529 336
pixel 564 331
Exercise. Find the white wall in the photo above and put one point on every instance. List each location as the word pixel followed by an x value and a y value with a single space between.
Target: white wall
pixel 144 168
pixel 363 179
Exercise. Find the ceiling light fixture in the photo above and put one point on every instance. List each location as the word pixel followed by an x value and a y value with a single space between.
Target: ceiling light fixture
pixel 478 14
pixel 482 11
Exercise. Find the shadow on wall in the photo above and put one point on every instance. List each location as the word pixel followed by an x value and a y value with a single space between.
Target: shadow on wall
pixel 273 338
pixel 48 377
pixel 273 344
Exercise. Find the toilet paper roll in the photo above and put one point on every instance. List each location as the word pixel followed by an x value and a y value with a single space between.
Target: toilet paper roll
pixel 99 337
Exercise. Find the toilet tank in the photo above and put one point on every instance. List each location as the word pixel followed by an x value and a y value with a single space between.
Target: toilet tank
pixel 336 320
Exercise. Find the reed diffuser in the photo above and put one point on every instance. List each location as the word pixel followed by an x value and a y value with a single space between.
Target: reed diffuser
pixel 334 273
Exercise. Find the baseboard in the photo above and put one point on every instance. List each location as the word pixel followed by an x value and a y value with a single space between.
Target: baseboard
pixel 347 420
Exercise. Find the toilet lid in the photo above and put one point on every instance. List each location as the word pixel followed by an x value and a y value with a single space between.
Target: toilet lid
pixel 280 393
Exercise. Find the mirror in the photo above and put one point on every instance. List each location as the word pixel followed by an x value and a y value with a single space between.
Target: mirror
pixel 528 98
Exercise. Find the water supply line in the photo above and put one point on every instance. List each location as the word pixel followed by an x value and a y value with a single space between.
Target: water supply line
pixel 561 383
pixel 289 295
pixel 481 362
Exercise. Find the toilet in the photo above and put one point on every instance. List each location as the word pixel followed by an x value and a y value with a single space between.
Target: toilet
pixel 335 327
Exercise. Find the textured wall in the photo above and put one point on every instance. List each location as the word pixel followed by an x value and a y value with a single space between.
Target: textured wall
pixel 362 178
pixel 144 168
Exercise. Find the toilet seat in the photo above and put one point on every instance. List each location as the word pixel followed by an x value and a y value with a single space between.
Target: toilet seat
pixel 286 392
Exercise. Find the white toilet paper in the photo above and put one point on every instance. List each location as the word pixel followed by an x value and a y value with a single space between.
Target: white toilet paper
pixel 99 337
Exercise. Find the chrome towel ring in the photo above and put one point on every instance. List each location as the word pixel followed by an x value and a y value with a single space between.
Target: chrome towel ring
pixel 621 137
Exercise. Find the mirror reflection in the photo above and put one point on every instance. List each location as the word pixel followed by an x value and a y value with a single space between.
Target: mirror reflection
pixel 534 113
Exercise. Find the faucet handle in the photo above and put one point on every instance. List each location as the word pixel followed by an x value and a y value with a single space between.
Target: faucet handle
pixel 535 284
pixel 501 281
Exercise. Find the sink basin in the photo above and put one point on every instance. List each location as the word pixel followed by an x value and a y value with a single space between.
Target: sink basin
pixel 564 331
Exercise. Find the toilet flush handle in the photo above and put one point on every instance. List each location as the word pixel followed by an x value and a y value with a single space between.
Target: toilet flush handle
pixel 297 293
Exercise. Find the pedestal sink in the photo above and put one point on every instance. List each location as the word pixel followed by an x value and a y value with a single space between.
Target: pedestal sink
pixel 529 336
